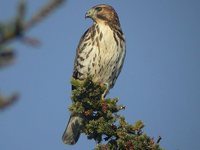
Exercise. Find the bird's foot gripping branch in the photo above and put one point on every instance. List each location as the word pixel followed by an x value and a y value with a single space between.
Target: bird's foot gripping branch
pixel 102 121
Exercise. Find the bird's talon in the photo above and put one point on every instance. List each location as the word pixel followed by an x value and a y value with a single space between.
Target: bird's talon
pixel 106 85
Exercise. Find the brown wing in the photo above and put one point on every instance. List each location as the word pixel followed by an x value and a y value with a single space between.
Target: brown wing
pixel 76 72
pixel 84 54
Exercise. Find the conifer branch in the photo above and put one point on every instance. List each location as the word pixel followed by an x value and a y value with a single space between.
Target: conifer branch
pixel 18 26
pixel 15 29
pixel 103 123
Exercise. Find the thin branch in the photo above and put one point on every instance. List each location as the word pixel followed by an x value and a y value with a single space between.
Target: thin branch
pixel 17 27
pixel 42 13
pixel 7 56
pixel 159 138
pixel 7 101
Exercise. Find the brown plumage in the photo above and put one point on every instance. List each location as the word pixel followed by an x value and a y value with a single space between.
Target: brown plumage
pixel 100 54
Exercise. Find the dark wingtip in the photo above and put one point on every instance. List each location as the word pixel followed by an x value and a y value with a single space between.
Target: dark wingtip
pixel 69 142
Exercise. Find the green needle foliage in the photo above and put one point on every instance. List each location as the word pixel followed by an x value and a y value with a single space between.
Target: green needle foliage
pixel 102 121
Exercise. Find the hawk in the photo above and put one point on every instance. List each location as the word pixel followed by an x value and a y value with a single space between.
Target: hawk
pixel 100 55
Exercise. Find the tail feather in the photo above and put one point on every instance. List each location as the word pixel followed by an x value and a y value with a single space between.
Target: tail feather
pixel 73 129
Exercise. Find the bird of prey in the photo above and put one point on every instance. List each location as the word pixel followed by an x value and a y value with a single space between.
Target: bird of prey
pixel 100 54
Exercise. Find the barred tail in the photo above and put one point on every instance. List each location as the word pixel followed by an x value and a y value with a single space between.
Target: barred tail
pixel 73 129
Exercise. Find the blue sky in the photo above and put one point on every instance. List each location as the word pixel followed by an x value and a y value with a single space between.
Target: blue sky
pixel 159 84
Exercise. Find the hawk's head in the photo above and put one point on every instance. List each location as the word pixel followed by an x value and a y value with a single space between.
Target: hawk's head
pixel 103 13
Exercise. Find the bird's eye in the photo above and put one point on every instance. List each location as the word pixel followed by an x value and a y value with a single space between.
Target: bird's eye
pixel 98 8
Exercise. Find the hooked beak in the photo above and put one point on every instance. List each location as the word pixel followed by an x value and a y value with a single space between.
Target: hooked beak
pixel 89 13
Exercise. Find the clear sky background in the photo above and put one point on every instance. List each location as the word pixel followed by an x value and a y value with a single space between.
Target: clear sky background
pixel 159 84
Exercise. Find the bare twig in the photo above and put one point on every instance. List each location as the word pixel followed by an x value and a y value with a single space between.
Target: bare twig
pixel 7 56
pixel 159 138
pixel 7 101
pixel 42 13
pixel 17 27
